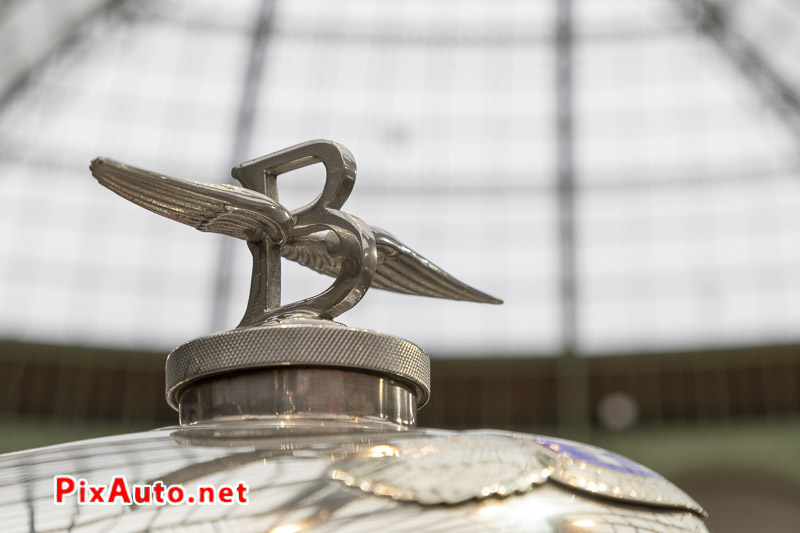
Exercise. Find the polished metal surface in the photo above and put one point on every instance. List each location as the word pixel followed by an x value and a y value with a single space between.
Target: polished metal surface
pixel 225 209
pixel 359 256
pixel 301 343
pixel 400 269
pixel 607 474
pixel 297 395
pixel 318 235
pixel 445 469
pixel 294 486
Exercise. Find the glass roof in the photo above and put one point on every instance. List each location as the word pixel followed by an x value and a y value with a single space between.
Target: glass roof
pixel 623 173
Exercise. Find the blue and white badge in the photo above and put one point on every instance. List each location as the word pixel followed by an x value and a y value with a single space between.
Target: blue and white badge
pixel 604 473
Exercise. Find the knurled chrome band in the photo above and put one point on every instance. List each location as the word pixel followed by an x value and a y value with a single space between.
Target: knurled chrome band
pixel 333 346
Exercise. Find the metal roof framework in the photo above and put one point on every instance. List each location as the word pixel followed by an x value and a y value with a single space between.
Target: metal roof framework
pixel 623 173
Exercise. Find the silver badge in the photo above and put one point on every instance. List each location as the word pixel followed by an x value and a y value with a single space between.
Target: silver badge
pixel 448 469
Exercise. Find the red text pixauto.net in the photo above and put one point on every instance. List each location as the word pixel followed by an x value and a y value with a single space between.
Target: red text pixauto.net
pixel 118 491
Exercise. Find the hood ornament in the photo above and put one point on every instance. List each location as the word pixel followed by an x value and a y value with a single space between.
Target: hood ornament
pixel 298 340
pixel 318 235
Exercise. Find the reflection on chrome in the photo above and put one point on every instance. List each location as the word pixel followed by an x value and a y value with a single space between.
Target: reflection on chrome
pixel 491 508
pixel 288 528
pixel 382 450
